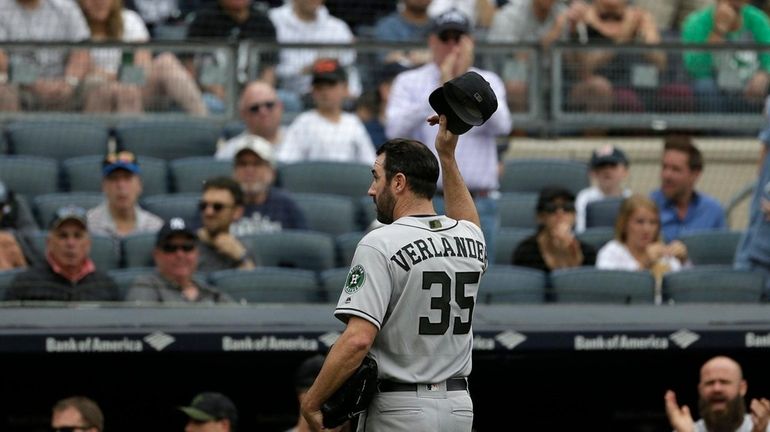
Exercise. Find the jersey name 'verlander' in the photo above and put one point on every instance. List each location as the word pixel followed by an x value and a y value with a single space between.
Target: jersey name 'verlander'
pixel 417 280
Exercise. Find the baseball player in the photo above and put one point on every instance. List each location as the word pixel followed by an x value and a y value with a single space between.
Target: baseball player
pixel 409 296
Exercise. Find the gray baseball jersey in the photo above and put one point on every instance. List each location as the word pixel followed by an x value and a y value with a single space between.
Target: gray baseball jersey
pixel 417 280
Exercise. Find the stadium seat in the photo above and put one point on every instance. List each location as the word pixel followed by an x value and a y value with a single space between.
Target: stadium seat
pixel 84 174
pixel 713 284
pixel 512 284
pixel 3 143
pixel 46 205
pixel 339 178
pixel 296 249
pixel 531 175
pixel 506 241
pixel 173 205
pixel 29 175
pixel 346 246
pixel 603 213
pixel 103 251
pixel 137 250
pixel 168 139
pixel 711 247
pixel 188 174
pixel 124 277
pixel 57 139
pixel 232 129
pixel 332 282
pixel 597 237
pixel 6 277
pixel 332 214
pixel 367 212
pixel 268 285
pixel 591 285
pixel 517 210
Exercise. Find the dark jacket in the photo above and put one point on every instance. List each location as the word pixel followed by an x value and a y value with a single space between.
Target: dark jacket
pixel 42 283
pixel 527 254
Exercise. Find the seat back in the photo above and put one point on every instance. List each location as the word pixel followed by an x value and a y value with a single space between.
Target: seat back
pixel 512 284
pixel 168 139
pixel 338 178
pixel 603 213
pixel 6 278
pixel 597 237
pixel 124 277
pixel 507 240
pixel 168 206
pixel 532 175
pixel 46 205
pixel 332 283
pixel 137 250
pixel 57 139
pixel 346 245
pixel 29 175
pixel 188 174
pixel 517 210
pixel 295 249
pixel 591 285
pixel 713 284
pixel 268 285
pixel 331 214
pixel 84 174
pixel 711 247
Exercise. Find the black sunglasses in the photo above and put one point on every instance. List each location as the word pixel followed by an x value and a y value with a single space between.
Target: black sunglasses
pixel 217 206
pixel 172 248
pixel 554 207
pixel 453 35
pixel 257 107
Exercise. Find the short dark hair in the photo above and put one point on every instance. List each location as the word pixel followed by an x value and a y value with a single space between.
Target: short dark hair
pixel 88 409
pixel 413 159
pixel 684 144
pixel 228 184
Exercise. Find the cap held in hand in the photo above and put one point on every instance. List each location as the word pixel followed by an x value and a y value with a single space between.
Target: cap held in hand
pixel 466 101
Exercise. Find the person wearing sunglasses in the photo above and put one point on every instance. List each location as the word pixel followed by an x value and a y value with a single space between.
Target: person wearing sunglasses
pixel 176 263
pixel 221 204
pixel 77 414
pixel 554 245
pixel 67 273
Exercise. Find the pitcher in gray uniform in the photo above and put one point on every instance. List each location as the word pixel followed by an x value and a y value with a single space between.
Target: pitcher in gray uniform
pixel 409 296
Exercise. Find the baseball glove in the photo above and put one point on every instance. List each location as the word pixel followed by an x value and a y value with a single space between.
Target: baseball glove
pixel 352 398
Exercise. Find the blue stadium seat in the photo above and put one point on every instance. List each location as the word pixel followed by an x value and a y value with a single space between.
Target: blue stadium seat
pixel 84 174
pixel 512 284
pixel 6 277
pixel 506 241
pixel 346 246
pixel 3 143
pixel 713 284
pixel 124 277
pixel 103 252
pixel 367 212
pixel 168 139
pixel 332 282
pixel 57 139
pixel 173 205
pixel 294 248
pixel 603 213
pixel 339 178
pixel 531 175
pixel 597 237
pixel 29 175
pixel 332 214
pixel 711 247
pixel 517 210
pixel 188 174
pixel 268 285
pixel 46 205
pixel 232 129
pixel 137 250
pixel 591 285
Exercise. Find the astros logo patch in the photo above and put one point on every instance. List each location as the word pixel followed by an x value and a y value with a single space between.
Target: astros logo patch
pixel 355 280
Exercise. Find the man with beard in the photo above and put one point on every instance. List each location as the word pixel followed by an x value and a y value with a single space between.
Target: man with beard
pixel 266 209
pixel 682 208
pixel 408 298
pixel 720 400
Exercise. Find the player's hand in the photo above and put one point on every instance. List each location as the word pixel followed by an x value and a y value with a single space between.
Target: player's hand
pixel 446 141
pixel 760 414
pixel 679 417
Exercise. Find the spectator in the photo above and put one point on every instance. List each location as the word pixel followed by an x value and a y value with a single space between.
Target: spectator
pixel 554 246
pixel 410 23
pixel 327 132
pixel 720 400
pixel 372 103
pixel 262 112
pixel 729 20
pixel 605 76
pixel 46 79
pixel 753 252
pixel 682 208
pixel 117 84
pixel 220 206
pixel 176 261
pixel 17 249
pixel 609 169
pixel 67 274
pixel 308 21
pixel 670 14
pixel 77 414
pixel 637 245
pixel 266 208
pixel 120 215
pixel 211 412
pixel 452 50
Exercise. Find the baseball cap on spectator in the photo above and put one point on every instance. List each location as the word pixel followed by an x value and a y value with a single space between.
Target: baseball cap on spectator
pixel 257 145
pixel 210 406
pixel 175 225
pixel 124 160
pixel 328 70
pixel 608 155
pixel 68 213
pixel 307 372
pixel 389 71
pixel 451 20
pixel 550 194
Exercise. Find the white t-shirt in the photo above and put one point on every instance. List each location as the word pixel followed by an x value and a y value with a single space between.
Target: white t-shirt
pixel 585 196
pixel 134 30
pixel 312 137
pixel 615 256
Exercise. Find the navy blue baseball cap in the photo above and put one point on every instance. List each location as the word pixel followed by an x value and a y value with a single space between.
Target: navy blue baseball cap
pixel 124 160
pixel 608 155
pixel 175 225
pixel 69 213
pixel 210 406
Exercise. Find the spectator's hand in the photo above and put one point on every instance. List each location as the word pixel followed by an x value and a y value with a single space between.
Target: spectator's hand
pixel 760 414
pixel 756 88
pixel 464 56
pixel 577 11
pixel 725 18
pixel 655 251
pixel 677 249
pixel 562 236
pixel 11 255
pixel 679 417
pixel 629 27
pixel 227 244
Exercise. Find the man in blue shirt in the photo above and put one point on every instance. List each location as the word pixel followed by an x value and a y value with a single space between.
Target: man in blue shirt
pixel 682 208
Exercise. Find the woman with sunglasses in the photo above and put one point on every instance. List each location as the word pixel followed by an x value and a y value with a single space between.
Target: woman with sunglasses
pixel 554 245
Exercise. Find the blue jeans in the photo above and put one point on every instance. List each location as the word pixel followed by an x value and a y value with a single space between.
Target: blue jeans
pixel 489 216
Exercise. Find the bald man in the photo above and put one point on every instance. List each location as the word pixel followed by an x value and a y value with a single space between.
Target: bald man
pixel 261 111
pixel 720 400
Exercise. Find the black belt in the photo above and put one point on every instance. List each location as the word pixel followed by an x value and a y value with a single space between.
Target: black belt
pixel 452 384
